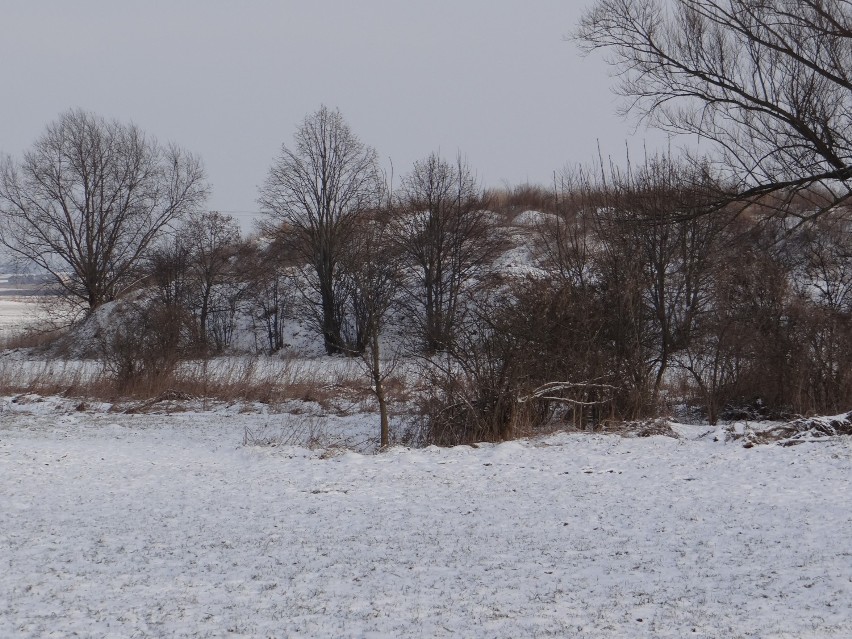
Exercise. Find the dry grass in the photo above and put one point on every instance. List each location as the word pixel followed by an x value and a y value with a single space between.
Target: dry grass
pixel 36 338
pixel 339 386
pixel 307 431
pixel 71 379
pixel 523 197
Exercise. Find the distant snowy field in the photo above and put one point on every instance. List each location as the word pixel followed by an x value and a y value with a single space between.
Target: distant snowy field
pixel 117 525
pixel 15 314
pixel 18 313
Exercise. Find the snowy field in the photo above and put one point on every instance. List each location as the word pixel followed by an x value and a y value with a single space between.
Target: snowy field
pixel 15 314
pixel 167 526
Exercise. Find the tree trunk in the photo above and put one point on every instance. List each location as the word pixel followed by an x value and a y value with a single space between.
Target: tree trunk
pixel 379 390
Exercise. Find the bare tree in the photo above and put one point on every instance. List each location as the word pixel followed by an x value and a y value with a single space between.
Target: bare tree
pixel 822 311
pixel 168 269
pixel 212 241
pixel 90 197
pixel 445 234
pixel 768 81
pixel 824 269
pixel 317 190
pixel 655 212
pixel 634 240
pixel 270 292
pixel 372 267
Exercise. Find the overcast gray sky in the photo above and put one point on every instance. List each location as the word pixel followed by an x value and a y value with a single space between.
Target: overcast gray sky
pixel 230 81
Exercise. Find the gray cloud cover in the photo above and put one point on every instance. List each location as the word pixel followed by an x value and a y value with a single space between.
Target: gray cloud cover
pixel 230 81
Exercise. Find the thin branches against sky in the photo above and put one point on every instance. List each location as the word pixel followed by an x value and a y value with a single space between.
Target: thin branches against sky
pixel 494 80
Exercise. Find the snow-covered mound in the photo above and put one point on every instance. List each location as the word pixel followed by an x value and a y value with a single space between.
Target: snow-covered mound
pixel 533 218
pixel 519 261
pixel 153 525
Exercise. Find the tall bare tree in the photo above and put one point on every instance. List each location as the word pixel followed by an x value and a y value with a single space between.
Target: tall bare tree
pixel 317 189
pixel 445 234
pixel 768 81
pixel 655 212
pixel 87 201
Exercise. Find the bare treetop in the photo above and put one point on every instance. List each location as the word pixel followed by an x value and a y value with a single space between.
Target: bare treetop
pixel 327 176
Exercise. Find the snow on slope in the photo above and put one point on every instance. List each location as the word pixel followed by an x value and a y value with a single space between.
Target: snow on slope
pixel 165 526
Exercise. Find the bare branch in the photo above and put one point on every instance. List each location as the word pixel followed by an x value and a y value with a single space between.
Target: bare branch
pixel 769 82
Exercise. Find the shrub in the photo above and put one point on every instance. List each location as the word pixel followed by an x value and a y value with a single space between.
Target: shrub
pixel 143 343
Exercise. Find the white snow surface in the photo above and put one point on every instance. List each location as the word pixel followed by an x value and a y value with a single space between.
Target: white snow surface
pixel 533 218
pixel 115 525
pixel 15 313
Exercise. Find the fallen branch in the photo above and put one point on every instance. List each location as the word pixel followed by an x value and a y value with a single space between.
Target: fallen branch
pixel 545 392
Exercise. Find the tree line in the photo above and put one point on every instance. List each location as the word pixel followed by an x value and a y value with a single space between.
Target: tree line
pixel 719 282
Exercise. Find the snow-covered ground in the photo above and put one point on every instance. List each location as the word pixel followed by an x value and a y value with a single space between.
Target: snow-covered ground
pixel 116 525
pixel 16 314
